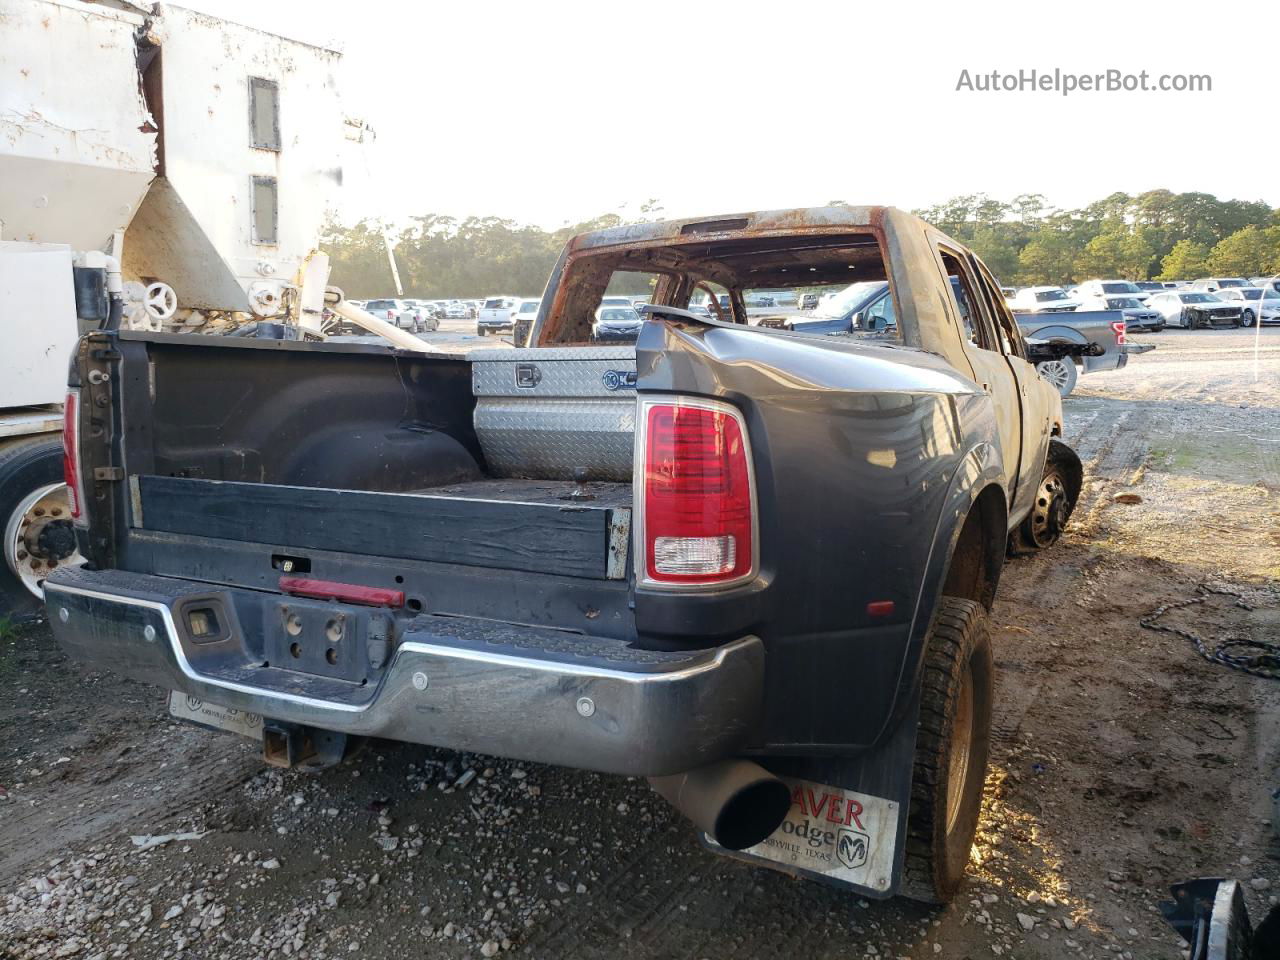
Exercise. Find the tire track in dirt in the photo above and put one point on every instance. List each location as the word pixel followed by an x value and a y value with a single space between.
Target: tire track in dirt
pixel 148 790
pixel 1113 444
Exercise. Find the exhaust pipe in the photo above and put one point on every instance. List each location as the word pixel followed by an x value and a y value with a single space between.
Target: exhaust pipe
pixel 735 802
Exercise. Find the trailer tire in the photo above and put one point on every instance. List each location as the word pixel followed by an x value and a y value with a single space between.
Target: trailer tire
pixel 25 467
pixel 952 744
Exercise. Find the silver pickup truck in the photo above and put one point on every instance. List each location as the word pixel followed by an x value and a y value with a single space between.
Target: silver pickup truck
pixel 1105 328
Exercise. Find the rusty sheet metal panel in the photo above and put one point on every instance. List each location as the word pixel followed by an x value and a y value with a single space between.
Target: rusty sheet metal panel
pixel 544 413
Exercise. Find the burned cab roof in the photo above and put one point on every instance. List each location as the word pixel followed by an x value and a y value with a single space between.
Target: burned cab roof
pixel 792 221
pixel 820 245
pixel 797 248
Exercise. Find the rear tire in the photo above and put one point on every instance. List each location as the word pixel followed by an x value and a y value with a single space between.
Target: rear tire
pixel 952 744
pixel 25 467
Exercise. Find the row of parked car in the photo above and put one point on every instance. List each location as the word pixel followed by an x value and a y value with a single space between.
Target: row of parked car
pixel 418 316
pixel 617 318
pixel 1210 302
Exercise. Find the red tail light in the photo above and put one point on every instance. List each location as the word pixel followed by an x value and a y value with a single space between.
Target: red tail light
pixel 71 454
pixel 1119 328
pixel 698 523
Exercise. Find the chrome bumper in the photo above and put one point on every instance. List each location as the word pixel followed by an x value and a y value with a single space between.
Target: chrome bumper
pixel 584 702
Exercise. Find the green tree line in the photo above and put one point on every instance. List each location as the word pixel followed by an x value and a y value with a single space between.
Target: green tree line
pixel 1154 235
pixel 1157 235
pixel 439 256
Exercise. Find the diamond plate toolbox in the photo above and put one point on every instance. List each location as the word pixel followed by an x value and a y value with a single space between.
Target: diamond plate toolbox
pixel 543 413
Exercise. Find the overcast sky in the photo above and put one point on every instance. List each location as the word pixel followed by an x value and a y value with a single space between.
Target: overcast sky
pixel 550 112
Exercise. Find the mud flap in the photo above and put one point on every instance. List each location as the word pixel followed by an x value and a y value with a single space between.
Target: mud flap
pixel 1210 915
pixel 848 820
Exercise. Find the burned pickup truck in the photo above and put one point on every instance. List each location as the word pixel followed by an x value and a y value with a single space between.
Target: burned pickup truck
pixel 752 565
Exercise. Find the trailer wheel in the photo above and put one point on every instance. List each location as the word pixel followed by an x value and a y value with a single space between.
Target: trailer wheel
pixel 952 743
pixel 35 521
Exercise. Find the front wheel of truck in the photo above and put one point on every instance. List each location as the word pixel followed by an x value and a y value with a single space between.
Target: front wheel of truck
pixel 1055 500
pixel 952 743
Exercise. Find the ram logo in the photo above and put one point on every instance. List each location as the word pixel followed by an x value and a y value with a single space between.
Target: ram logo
pixel 619 379
pixel 852 848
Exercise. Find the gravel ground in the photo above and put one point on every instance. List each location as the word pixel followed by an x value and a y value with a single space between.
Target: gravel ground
pixel 1122 762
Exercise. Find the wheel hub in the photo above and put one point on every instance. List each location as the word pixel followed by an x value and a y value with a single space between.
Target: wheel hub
pixel 1054 372
pixel 1049 515
pixel 39 537
pixel 51 538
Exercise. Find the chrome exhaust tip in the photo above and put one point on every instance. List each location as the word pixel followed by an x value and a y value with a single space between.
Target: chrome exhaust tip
pixel 735 802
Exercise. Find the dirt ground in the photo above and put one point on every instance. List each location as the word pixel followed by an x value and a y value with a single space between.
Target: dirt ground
pixel 1122 762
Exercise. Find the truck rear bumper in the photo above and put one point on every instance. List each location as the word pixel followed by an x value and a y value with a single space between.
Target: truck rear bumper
pixel 522 692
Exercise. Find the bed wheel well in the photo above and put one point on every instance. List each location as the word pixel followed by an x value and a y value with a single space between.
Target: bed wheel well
pixel 978 556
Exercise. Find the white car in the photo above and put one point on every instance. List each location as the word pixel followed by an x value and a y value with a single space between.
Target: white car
pixel 424 316
pixel 1194 308
pixel 1042 300
pixel 1110 288
pixel 1255 303
pixel 1214 284
pixel 456 310
pixel 619 301
pixel 403 314
pixel 496 314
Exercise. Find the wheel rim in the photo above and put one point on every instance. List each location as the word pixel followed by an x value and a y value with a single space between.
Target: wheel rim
pixel 1247 319
pixel 35 537
pixel 1048 515
pixel 961 747
pixel 1055 371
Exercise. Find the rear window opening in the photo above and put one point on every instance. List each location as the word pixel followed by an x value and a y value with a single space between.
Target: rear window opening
pixel 735 280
